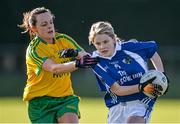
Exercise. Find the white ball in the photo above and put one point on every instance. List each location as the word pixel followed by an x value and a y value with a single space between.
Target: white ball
pixel 160 80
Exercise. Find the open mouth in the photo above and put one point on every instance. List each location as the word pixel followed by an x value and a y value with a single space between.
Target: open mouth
pixel 50 32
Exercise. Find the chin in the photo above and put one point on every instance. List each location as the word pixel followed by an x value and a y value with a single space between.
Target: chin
pixel 107 55
pixel 104 55
pixel 51 36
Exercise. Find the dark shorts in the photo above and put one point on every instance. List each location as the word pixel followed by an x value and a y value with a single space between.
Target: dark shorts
pixel 48 109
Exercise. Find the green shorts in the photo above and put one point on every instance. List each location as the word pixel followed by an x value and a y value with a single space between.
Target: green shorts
pixel 48 109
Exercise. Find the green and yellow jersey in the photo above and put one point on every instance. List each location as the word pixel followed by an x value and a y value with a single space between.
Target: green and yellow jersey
pixel 41 82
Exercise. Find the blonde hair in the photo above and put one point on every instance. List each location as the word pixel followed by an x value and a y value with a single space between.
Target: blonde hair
pixel 101 27
pixel 30 20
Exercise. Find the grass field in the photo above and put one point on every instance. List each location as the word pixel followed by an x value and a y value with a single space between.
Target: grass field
pixel 93 110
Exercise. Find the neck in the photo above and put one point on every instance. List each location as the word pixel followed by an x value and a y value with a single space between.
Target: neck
pixel 50 41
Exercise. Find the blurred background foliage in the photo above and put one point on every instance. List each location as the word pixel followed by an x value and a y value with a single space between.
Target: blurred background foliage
pixel 141 19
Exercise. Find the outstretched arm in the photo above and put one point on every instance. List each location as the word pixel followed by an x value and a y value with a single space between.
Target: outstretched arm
pixel 51 66
pixel 83 62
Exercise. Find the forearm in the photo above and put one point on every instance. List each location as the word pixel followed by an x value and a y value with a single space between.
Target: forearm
pixel 53 67
pixel 65 67
pixel 157 62
pixel 127 90
pixel 124 90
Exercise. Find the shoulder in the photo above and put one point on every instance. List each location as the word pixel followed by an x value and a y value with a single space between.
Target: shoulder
pixel 36 46
pixel 36 43
pixel 62 36
pixel 134 44
pixel 129 43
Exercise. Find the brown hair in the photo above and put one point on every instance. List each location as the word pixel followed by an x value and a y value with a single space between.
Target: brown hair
pixel 102 27
pixel 29 19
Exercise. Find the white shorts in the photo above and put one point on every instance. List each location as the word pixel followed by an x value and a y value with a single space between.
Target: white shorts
pixel 120 112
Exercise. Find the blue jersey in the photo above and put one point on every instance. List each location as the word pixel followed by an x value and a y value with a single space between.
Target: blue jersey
pixel 125 66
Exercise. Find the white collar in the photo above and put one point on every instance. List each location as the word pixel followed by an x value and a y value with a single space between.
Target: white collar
pixel 117 48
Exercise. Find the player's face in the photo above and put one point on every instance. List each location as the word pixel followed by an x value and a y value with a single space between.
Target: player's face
pixel 104 44
pixel 45 26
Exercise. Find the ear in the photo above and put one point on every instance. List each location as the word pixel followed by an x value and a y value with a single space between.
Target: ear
pixel 34 29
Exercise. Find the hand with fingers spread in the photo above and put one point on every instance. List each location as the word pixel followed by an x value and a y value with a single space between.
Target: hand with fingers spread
pixel 150 88
pixel 86 61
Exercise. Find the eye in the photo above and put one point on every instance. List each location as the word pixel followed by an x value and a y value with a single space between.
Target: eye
pixel 44 24
pixel 106 41
pixel 97 44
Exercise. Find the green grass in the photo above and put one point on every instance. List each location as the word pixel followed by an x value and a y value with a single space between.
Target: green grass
pixel 93 110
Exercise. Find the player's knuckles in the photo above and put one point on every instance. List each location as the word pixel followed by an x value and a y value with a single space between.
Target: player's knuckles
pixel 148 89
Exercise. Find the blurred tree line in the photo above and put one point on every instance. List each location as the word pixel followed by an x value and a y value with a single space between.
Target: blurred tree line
pixel 141 19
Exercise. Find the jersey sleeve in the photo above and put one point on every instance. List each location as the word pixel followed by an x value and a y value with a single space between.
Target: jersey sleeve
pixel 37 57
pixel 147 48
pixel 72 43
pixel 105 81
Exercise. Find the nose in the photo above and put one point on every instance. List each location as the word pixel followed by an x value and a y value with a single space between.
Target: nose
pixel 101 46
pixel 49 26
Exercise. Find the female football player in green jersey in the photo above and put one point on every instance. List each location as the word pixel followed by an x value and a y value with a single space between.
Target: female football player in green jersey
pixel 49 90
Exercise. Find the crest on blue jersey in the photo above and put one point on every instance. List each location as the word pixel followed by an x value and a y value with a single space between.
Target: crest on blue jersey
pixel 127 60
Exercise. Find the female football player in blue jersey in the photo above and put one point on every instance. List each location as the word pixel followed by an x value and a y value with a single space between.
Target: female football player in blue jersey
pixel 121 65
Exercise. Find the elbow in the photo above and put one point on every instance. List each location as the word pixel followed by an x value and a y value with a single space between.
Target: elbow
pixel 50 66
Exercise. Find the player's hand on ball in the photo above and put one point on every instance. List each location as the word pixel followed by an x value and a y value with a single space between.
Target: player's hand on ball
pixel 68 53
pixel 86 62
pixel 157 89
pixel 150 88
pixel 153 83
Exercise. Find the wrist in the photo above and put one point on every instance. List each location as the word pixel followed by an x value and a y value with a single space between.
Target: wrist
pixel 76 62
pixel 140 89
